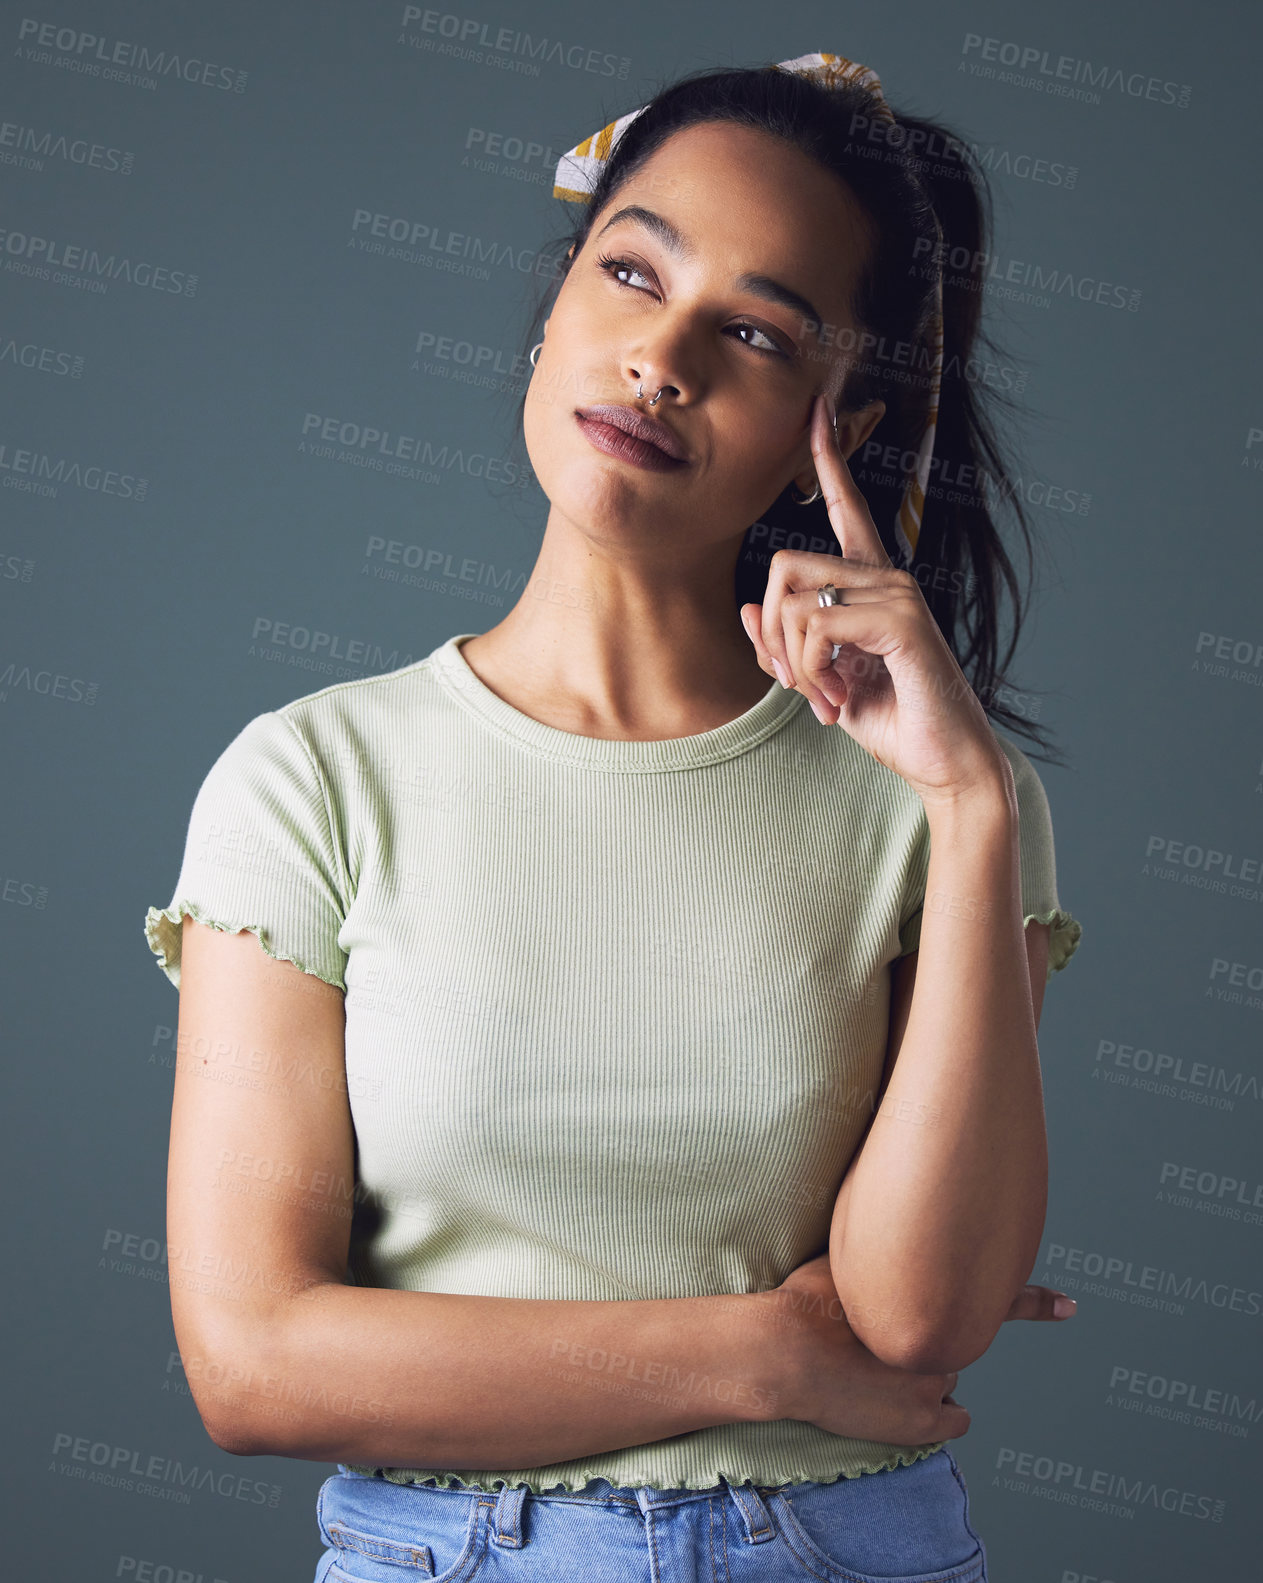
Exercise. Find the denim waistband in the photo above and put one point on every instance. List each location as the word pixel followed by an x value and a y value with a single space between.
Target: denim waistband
pixel 756 1520
pixel 506 1520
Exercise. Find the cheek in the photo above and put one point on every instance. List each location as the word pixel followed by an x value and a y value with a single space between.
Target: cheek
pixel 560 456
pixel 571 372
pixel 554 443
pixel 535 419
pixel 758 446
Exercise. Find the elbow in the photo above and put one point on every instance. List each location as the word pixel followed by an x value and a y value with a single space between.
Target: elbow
pixel 934 1352
pixel 235 1393
pixel 926 1345
pixel 235 1426
pixel 918 1352
pixel 237 1438
pixel 249 1380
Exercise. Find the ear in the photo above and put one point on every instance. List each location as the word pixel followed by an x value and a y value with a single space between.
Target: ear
pixel 853 429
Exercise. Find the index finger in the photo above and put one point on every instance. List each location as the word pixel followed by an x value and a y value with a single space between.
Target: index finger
pixel 849 516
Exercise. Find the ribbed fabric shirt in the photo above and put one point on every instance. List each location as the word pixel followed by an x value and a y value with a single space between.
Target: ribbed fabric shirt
pixel 616 1011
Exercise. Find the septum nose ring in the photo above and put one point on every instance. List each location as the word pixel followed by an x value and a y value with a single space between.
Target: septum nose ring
pixel 640 393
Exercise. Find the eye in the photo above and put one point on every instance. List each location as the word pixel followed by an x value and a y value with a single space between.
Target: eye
pixel 611 266
pixel 614 266
pixel 780 351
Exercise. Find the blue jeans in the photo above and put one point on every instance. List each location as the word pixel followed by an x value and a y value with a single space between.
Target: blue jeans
pixel 907 1525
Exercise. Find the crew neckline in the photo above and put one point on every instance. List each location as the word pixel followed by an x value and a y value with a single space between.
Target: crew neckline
pixel 777 706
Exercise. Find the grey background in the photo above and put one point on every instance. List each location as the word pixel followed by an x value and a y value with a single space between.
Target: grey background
pixel 148 609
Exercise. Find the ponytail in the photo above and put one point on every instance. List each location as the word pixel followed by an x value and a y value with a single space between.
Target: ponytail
pixel 961 562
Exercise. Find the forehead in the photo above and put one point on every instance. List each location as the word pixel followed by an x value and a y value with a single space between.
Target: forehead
pixel 749 201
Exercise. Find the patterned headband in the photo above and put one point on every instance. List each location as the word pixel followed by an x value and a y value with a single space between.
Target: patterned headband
pixel 580 168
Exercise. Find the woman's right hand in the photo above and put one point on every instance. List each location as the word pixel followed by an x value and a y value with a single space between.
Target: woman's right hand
pixel 841 1387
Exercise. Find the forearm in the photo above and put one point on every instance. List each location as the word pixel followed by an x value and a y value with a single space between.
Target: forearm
pixel 940 1218
pixel 435 1379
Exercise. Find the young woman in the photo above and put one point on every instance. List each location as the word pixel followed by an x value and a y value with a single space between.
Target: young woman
pixel 632 1121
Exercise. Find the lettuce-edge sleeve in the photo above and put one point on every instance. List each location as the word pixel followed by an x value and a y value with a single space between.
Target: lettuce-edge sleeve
pixel 1038 869
pixel 260 854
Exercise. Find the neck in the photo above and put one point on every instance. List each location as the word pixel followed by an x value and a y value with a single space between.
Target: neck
pixel 606 644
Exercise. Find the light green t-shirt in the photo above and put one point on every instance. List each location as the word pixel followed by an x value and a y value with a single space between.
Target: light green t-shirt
pixel 616 1012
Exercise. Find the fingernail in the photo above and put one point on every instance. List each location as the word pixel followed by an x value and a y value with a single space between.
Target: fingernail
pixel 780 673
pixel 820 712
pixel 1063 1307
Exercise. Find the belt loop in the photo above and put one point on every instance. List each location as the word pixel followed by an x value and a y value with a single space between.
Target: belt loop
pixel 755 1517
pixel 506 1520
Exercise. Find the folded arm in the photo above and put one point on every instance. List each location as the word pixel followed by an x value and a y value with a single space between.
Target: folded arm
pixel 284 1357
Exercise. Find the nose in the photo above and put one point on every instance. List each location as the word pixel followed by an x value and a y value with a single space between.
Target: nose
pixel 642 375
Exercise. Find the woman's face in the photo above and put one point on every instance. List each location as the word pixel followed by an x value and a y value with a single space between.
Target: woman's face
pixel 730 262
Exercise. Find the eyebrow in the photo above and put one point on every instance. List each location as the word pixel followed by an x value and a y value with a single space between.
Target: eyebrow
pixel 678 244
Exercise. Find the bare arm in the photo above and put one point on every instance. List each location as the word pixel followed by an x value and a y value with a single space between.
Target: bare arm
pixel 939 1217
pixel 284 1358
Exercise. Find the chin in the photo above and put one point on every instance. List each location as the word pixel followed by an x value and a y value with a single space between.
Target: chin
pixel 612 507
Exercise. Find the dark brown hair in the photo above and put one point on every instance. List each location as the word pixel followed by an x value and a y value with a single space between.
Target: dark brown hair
pixel 904 176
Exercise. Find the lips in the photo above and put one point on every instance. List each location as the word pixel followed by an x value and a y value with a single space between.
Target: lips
pixel 651 431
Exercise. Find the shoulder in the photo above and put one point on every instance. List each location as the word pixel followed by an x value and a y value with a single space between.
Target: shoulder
pixel 1038 859
pixel 1025 776
pixel 347 724
pixel 1034 811
pixel 314 760
pixel 362 697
